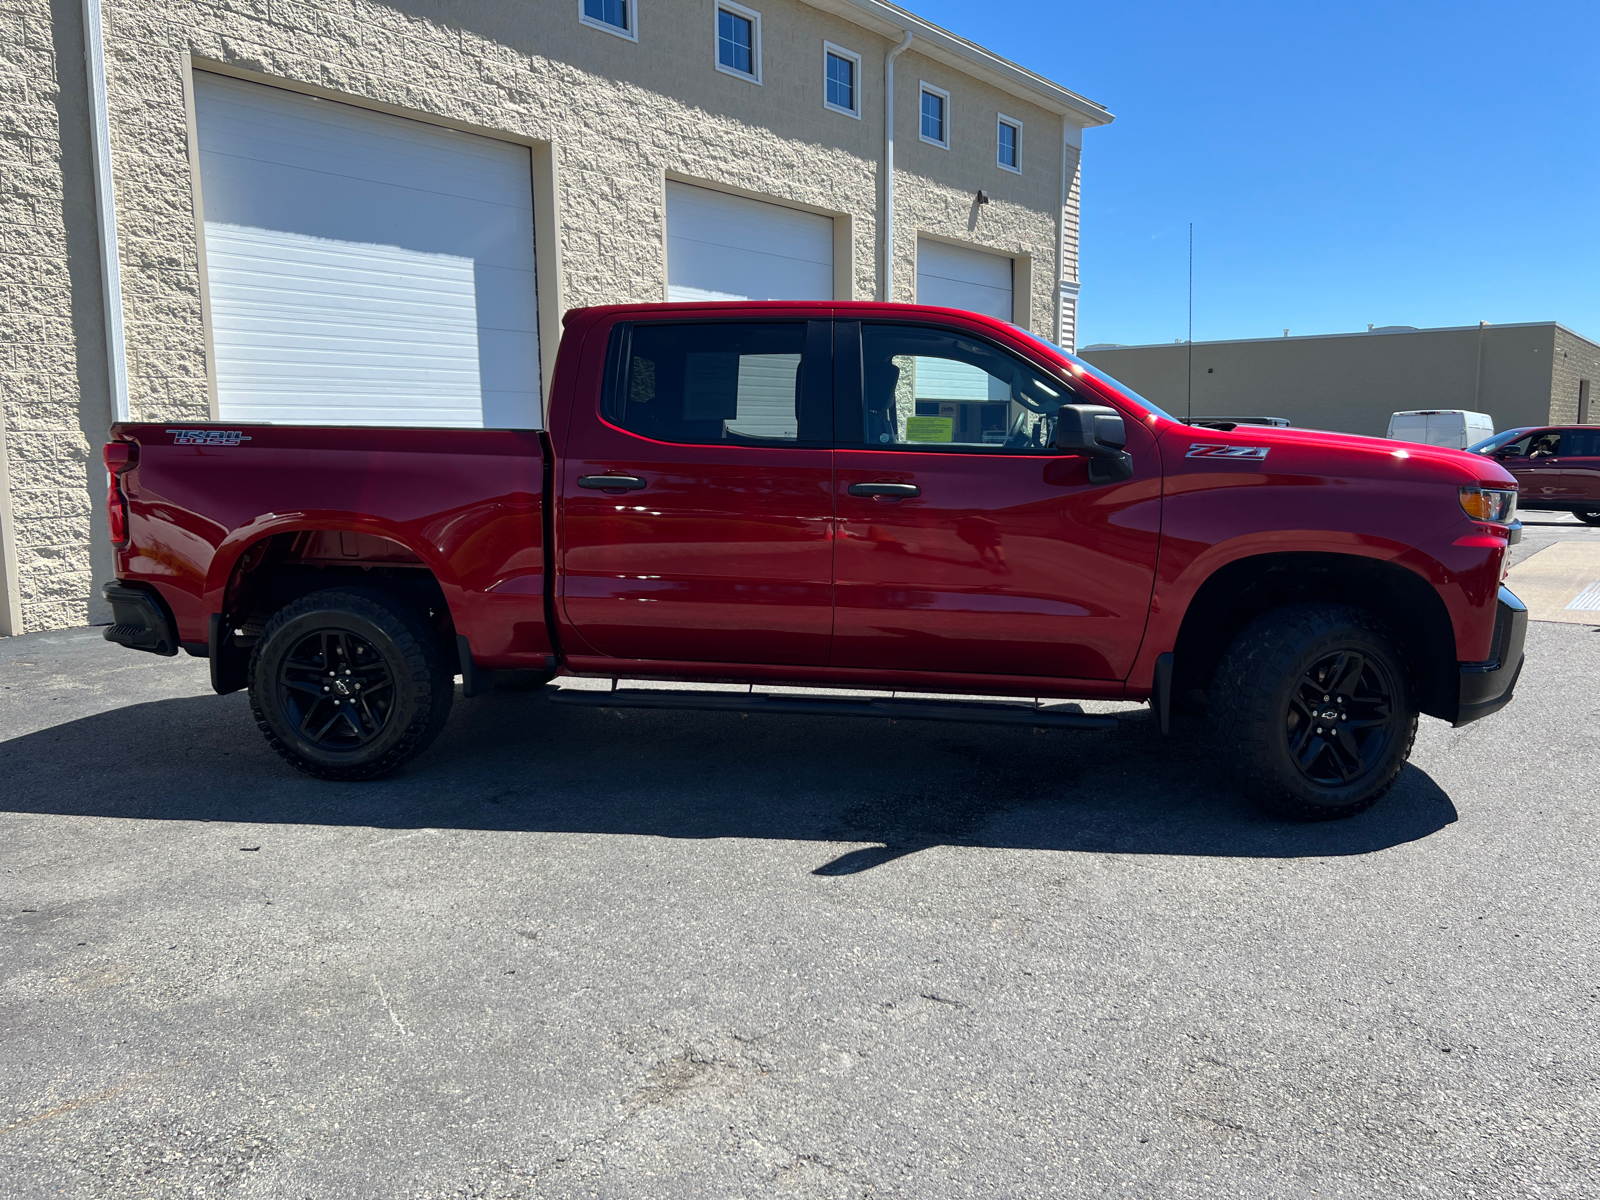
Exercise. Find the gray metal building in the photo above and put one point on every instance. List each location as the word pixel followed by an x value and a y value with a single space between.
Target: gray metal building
pixel 1523 374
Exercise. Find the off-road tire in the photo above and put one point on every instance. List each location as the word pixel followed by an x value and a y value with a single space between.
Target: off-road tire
pixel 1256 711
pixel 399 644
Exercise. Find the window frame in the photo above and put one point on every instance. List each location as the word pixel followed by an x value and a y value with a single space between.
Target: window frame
pixel 850 392
pixel 631 33
pixel 855 89
pixel 924 88
pixel 749 14
pixel 1016 132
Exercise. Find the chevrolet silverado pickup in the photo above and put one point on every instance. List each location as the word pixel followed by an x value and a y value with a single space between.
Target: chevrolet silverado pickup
pixel 830 496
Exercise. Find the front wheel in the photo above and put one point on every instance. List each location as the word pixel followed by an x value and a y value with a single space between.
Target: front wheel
pixel 1589 518
pixel 348 684
pixel 1312 711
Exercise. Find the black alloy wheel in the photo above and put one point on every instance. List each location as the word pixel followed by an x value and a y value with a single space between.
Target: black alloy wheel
pixel 336 690
pixel 1589 518
pixel 1341 718
pixel 1312 712
pixel 350 683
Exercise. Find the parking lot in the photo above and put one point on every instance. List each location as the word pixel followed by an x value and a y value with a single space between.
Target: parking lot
pixel 572 952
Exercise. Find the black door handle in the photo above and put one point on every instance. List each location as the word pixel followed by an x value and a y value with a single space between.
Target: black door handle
pixel 885 489
pixel 608 483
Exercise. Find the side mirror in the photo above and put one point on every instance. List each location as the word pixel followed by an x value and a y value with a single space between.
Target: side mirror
pixel 1097 433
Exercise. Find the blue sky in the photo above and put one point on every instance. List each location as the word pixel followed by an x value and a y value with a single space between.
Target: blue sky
pixel 1403 163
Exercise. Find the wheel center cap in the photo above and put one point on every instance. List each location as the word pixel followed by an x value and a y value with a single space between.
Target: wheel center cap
pixel 341 687
pixel 1331 714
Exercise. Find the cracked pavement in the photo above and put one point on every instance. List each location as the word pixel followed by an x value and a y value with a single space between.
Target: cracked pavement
pixel 575 953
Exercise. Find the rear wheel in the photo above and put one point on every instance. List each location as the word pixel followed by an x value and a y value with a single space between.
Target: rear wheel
pixel 348 684
pixel 1312 711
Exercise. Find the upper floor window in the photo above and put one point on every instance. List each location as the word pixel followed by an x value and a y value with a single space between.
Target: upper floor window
pixel 614 16
pixel 1009 152
pixel 935 115
pixel 841 80
pixel 738 40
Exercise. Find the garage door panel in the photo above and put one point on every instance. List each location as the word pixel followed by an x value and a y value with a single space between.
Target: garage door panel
pixel 302 131
pixel 722 247
pixel 960 277
pixel 362 212
pixel 362 268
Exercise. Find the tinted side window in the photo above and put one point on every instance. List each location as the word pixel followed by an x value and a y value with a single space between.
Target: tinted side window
pixel 738 384
pixel 1580 443
pixel 936 389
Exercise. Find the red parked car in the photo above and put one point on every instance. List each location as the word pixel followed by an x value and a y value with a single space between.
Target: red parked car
pixel 1557 467
pixel 838 495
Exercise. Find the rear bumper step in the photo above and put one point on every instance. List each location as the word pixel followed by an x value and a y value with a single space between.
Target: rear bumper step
pixel 895 709
pixel 138 620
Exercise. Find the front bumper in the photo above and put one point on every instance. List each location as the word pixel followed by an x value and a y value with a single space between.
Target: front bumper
pixel 139 620
pixel 1486 686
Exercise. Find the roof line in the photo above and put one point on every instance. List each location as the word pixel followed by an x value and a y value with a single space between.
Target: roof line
pixel 1311 337
pixel 890 20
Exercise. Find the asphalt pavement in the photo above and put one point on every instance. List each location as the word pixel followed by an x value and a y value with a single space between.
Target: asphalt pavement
pixel 660 954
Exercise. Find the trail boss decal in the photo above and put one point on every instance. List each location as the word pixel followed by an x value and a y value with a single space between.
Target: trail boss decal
pixel 1215 450
pixel 207 437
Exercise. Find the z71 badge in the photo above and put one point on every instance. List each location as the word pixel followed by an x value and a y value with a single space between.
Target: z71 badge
pixel 207 437
pixel 1214 450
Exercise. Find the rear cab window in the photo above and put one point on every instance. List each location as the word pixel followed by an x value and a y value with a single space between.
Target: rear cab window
pixel 718 382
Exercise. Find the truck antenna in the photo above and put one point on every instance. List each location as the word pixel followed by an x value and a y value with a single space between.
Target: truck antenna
pixel 1188 415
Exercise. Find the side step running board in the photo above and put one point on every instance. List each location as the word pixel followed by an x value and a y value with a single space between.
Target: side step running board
pixel 896 709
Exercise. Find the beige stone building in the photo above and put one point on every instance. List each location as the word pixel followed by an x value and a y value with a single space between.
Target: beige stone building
pixel 1523 374
pixel 357 212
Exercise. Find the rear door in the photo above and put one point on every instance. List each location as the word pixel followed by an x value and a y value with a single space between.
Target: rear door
pixel 696 493
pixel 967 543
pixel 1580 465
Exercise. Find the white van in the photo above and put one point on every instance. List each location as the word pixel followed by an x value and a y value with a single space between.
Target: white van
pixel 1453 427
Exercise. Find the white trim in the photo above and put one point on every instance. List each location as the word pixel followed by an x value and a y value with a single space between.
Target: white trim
pixel 855 87
pixel 926 88
pixel 754 18
pixel 631 33
pixel 886 225
pixel 1016 144
pixel 106 210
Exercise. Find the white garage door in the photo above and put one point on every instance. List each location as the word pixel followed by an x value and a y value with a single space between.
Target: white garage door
pixel 364 269
pixel 722 247
pixel 958 277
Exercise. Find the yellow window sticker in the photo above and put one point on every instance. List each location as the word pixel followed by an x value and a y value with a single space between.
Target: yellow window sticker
pixel 930 429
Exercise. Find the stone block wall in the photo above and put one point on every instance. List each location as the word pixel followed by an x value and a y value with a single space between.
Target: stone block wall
pixel 51 334
pixel 1574 360
pixel 620 117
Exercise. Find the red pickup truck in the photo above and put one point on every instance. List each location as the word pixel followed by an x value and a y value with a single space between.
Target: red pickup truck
pixel 833 496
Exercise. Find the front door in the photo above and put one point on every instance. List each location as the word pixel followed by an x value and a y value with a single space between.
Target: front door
pixel 967 543
pixel 1535 461
pixel 697 504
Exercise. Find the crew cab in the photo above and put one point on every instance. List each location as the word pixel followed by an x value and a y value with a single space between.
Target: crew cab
pixel 831 496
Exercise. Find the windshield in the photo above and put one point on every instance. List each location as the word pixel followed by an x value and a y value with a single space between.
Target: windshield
pixel 1498 440
pixel 1090 369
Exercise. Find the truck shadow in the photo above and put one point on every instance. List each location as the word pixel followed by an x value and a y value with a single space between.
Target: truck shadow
pixel 516 763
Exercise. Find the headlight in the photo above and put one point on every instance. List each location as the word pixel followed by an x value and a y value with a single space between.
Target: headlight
pixel 1489 504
